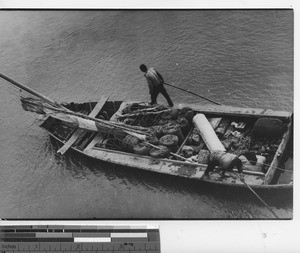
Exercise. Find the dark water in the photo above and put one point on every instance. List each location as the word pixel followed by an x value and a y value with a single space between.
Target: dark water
pixel 241 58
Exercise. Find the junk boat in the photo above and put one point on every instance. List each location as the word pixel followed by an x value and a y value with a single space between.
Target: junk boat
pixel 176 141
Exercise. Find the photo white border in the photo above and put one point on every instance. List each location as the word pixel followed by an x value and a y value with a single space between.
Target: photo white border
pixel 138 4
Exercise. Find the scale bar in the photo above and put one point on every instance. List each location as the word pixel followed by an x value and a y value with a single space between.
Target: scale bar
pixel 92 239
pixel 129 235
pixel 88 239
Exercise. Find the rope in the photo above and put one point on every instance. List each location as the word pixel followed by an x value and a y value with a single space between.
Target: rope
pixel 277 168
pixel 210 100
pixel 144 112
pixel 261 200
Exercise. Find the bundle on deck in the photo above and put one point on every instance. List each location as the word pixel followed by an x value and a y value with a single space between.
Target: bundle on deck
pixel 79 120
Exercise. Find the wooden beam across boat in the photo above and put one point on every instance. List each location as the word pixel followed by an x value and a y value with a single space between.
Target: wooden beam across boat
pixel 98 138
pixel 78 132
pixel 278 157
pixel 238 111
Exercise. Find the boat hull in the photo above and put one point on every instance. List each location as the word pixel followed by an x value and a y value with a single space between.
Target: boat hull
pixel 105 145
pixel 168 168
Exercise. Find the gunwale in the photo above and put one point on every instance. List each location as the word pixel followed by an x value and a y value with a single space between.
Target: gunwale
pixel 205 180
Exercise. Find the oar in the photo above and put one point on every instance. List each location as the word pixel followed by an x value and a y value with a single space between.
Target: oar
pixel 261 200
pixel 192 93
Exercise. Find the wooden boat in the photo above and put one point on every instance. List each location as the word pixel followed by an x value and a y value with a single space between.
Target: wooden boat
pixel 106 147
pixel 110 131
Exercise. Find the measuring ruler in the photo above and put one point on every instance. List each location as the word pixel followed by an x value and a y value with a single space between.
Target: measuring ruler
pixel 83 239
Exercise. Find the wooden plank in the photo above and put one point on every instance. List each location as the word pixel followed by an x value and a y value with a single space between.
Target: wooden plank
pixel 70 142
pixel 166 166
pixel 119 112
pixel 98 107
pixel 214 122
pixel 78 132
pixel 278 157
pixel 238 111
pixel 121 108
pixel 96 140
pixel 226 110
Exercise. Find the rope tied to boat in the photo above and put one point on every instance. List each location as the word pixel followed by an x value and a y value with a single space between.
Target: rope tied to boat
pixel 260 199
pixel 277 168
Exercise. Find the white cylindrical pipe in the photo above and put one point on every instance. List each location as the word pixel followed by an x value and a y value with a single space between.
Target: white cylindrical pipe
pixel 207 133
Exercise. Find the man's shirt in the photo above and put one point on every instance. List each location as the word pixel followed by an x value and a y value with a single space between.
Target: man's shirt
pixel 154 79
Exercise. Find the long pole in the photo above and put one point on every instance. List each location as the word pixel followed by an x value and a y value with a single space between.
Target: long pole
pixel 210 100
pixel 29 90
pixel 261 200
pixel 59 108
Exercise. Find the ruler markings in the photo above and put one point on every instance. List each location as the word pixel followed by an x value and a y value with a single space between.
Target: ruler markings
pixel 83 239
pixel 79 247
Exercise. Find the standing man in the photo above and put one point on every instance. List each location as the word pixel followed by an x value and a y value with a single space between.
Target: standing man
pixel 156 84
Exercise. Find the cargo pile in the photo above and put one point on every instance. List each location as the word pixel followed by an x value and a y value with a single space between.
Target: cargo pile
pixel 173 131
pixel 169 128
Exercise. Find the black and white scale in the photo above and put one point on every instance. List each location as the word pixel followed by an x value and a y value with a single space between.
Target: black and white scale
pixel 83 239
